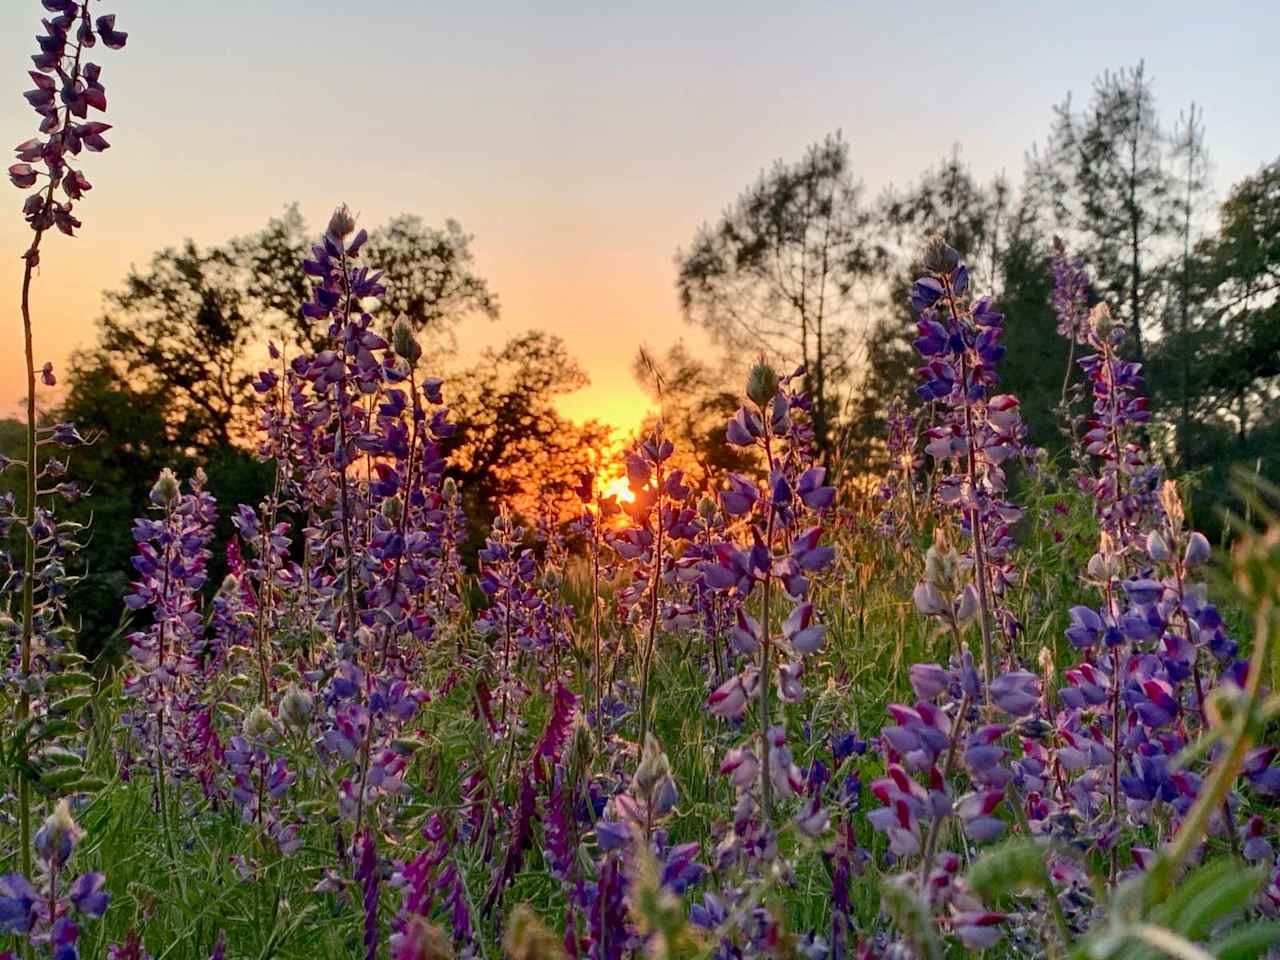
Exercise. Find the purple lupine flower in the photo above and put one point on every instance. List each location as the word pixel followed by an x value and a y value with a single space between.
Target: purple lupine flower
pixel 1015 693
pixel 978 432
pixel 45 916
pixel 66 86
pixel 978 930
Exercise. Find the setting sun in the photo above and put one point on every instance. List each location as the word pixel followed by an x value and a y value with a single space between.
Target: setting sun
pixel 618 488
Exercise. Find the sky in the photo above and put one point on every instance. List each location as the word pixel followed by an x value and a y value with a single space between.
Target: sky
pixel 581 146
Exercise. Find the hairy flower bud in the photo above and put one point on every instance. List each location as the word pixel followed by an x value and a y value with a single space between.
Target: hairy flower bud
pixel 762 383
pixel 527 937
pixel 654 768
pixel 939 256
pixel 342 223
pixel 1172 503
pixel 707 508
pixel 58 837
pixel 165 490
pixel 1101 322
pixel 296 706
pixel 404 343
pixel 260 726
pixel 422 941
pixel 580 749
pixel 942 565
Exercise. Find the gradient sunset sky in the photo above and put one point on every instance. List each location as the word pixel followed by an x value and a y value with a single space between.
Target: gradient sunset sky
pixel 581 145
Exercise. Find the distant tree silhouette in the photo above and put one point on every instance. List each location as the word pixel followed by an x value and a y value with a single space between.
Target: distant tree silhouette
pixel 512 444
pixel 193 325
pixel 184 329
pixel 695 400
pixel 1103 181
pixel 779 272
pixel 974 217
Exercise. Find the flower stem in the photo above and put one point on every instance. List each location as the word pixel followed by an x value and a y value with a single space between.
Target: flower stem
pixel 29 552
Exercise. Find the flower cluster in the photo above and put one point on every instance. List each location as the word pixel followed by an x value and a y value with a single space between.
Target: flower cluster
pixel 45 914
pixel 169 656
pixel 67 87
pixel 978 432
pixel 779 557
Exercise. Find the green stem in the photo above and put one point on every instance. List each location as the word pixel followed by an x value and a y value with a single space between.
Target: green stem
pixel 29 552
pixel 646 665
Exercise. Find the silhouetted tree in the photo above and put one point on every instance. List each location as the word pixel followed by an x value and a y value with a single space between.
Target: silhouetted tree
pixel 194 324
pixel 695 401
pixel 778 272
pixel 183 329
pixel 1103 181
pixel 1192 165
pixel 513 445
pixel 947 199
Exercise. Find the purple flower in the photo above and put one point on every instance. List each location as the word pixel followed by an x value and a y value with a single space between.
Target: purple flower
pixel 1015 693
pixel 17 904
pixel 730 699
pixel 88 896
pixel 978 930
pixel 928 679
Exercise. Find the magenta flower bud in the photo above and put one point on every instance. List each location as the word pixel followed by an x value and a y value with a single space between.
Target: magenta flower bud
pixel 741 766
pixel 812 819
pixel 730 699
pixel 746 635
pixel 978 930
pixel 22 175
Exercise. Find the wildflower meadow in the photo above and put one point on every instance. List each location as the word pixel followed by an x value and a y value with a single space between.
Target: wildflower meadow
pixel 969 697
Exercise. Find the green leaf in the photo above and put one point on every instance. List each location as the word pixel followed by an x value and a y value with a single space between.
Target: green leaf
pixel 86 785
pixel 69 681
pixel 1231 894
pixel 1247 943
pixel 72 704
pixel 1193 885
pixel 59 778
pixel 1011 867
pixel 58 757
pixel 60 727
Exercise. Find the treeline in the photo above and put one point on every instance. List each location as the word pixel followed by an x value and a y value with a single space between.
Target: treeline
pixel 170 383
pixel 804 266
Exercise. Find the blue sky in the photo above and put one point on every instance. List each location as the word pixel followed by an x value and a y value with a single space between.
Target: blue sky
pixel 580 145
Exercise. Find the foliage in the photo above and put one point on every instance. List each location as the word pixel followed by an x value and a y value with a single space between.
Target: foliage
pixel 780 272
